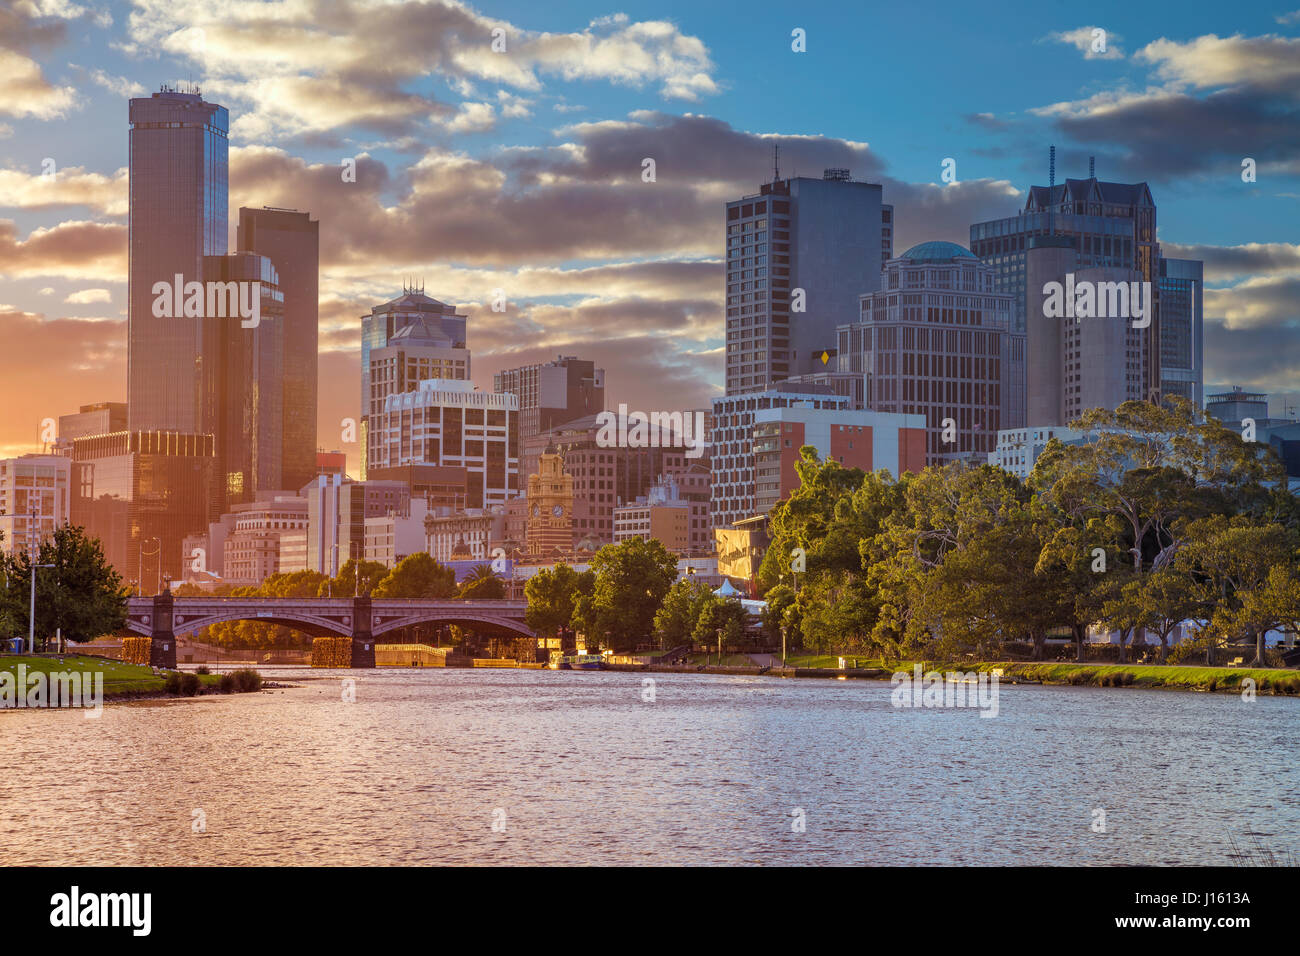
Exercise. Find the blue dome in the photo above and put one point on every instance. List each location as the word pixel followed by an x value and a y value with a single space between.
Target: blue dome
pixel 937 251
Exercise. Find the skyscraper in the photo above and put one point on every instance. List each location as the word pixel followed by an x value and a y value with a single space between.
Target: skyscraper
pixel 798 256
pixel 1112 225
pixel 1182 329
pixel 291 240
pixel 934 342
pixel 177 215
pixel 247 398
pixel 384 321
pixel 553 393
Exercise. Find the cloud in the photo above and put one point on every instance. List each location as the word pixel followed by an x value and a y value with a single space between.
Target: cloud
pixel 24 91
pixel 70 186
pixel 117 85
pixel 1224 263
pixel 1095 43
pixel 304 67
pixel 69 250
pixel 473 118
pixel 88 296
pixel 1266 62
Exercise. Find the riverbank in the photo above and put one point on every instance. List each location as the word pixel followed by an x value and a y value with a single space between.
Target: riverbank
pixel 1275 681
pixel 122 681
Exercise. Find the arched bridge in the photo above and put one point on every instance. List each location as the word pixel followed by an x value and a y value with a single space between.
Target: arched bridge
pixel 363 619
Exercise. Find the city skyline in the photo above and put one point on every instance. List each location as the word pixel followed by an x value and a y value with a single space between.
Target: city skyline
pixel 630 275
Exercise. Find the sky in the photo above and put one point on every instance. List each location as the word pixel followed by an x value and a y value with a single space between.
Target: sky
pixel 520 169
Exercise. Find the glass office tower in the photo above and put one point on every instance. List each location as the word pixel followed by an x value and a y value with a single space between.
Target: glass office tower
pixel 178 199
pixel 1182 329
pixel 291 240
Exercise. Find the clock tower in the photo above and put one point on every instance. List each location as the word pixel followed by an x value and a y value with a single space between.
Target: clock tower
pixel 550 507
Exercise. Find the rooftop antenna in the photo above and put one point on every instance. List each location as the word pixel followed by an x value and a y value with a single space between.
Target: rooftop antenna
pixel 776 162
pixel 1092 167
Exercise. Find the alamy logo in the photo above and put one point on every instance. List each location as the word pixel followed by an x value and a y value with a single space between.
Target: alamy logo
pixel 208 300
pixel 58 689
pixel 1098 300
pixel 103 909
pixel 656 430
pixel 933 689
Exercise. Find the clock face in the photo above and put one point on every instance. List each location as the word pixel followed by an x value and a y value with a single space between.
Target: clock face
pixel 558 511
pixel 536 511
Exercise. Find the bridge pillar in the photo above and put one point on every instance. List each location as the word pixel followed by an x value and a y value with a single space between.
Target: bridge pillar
pixel 162 649
pixel 363 644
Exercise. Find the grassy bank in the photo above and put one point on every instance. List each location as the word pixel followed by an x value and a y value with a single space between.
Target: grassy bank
pixel 120 680
pixel 1282 681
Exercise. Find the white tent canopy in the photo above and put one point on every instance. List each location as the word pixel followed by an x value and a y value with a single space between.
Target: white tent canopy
pixel 727 590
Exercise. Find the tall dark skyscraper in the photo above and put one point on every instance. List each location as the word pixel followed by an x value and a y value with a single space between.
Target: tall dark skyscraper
pixel 178 202
pixel 798 256
pixel 247 399
pixel 291 240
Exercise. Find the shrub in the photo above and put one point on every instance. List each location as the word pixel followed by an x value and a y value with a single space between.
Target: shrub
pixel 173 683
pixel 190 684
pixel 202 669
pixel 247 680
pixel 226 684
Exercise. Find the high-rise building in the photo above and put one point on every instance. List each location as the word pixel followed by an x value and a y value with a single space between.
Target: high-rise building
pixel 337 509
pixel 732 444
pixel 799 253
pixel 177 215
pixel 141 494
pixel 553 393
pixel 436 320
pixel 1182 329
pixel 243 405
pixel 291 240
pixel 97 419
pixel 449 422
pixel 1111 225
pixel 251 552
pixel 934 342
pixel 34 500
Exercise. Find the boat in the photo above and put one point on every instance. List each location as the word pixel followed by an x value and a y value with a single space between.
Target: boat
pixel 576 662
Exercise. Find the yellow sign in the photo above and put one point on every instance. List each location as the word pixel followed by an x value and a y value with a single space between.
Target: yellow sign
pixel 826 357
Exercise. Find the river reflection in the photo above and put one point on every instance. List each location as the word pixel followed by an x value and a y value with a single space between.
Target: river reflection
pixel 576 767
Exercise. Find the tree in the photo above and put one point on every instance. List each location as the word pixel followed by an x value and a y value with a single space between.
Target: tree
pixel 717 613
pixel 779 612
pixel 632 578
pixel 1163 600
pixel 81 596
pixel 481 584
pixel 839 614
pixel 552 595
pixel 680 612
pixel 1234 560
pixel 416 576
pixel 828 515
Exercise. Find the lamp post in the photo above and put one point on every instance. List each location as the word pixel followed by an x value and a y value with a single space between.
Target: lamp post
pixel 35 553
pixel 784 629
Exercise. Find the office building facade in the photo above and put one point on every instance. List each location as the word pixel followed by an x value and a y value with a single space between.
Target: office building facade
pixel 935 342
pixel 799 253
pixel 553 393
pixel 291 240
pixel 447 422
pixel 1111 225
pixel 35 499
pixel 178 162
pixel 436 320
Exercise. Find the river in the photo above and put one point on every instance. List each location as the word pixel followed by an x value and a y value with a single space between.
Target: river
pixel 541 767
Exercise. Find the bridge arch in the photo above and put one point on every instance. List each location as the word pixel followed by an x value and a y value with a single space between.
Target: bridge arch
pixel 298 620
pixel 464 618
